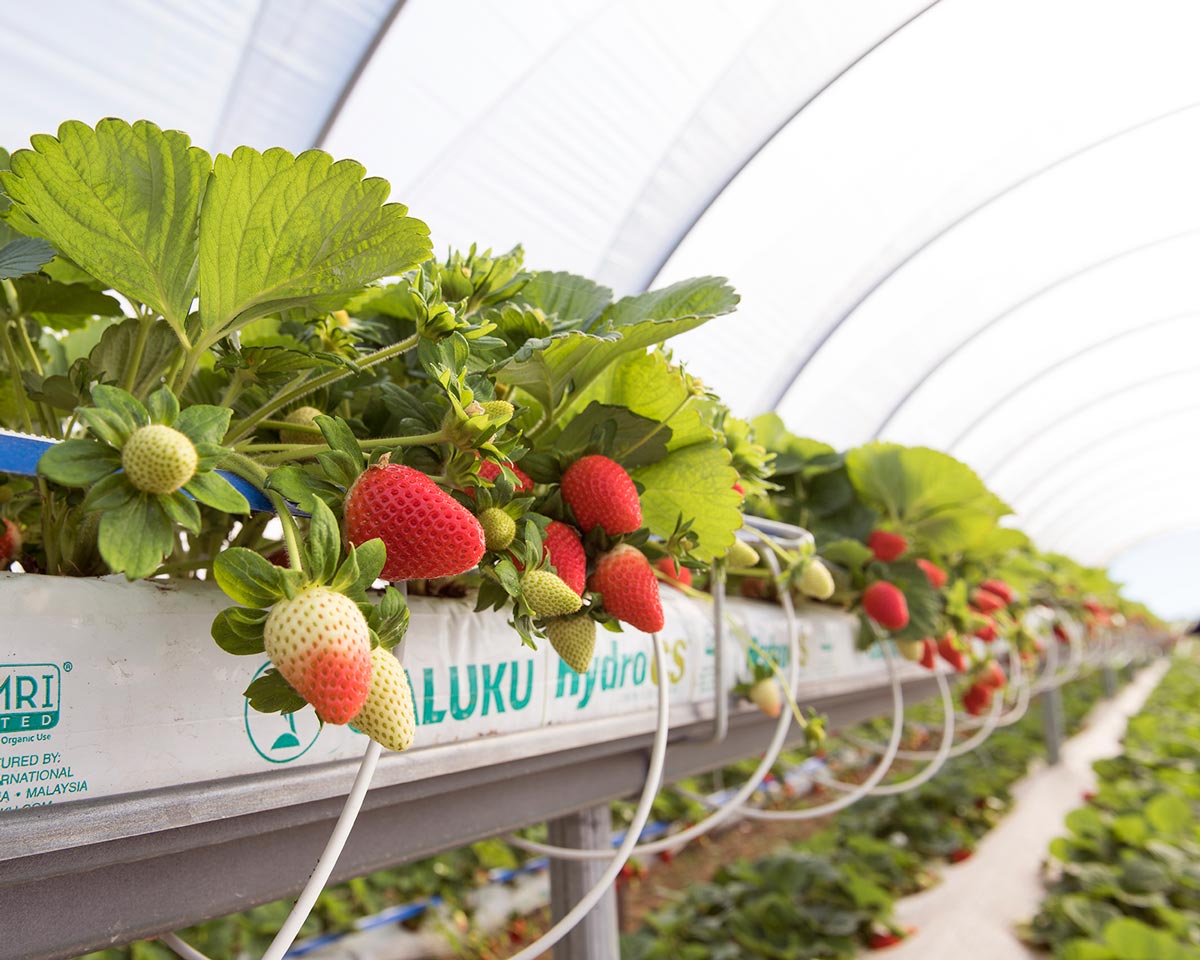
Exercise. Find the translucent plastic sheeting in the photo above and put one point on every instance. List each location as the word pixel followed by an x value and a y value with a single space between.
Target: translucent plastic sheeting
pixel 592 132
pixel 262 72
pixel 1162 570
pixel 824 231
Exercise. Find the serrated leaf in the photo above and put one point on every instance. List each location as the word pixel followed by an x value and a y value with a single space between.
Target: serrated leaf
pixel 43 295
pixel 238 632
pixel 340 467
pixel 270 693
pixel 390 618
pixel 280 231
pixel 109 359
pixel 567 296
pixel 106 425
pixel 324 543
pixel 22 255
pixel 163 408
pixel 109 493
pixel 121 201
pixel 341 439
pixel 632 439
pixel 204 423
pixel 121 403
pixel 347 579
pixel 696 481
pixel 213 490
pixel 370 558
pixel 248 578
pixel 134 537
pixel 78 463
pixel 701 297
pixel 298 485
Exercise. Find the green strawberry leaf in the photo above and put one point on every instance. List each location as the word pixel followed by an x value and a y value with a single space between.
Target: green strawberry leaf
pixel 78 463
pixel 213 490
pixel 240 631
pixel 109 493
pixel 341 440
pixel 122 404
pixel 44 296
pixel 340 467
pixel 163 408
pixel 389 618
pixel 567 297
pixel 270 693
pixel 134 537
pixel 324 544
pixel 110 358
pixel 181 511
pixel 298 485
pixel 697 483
pixel 248 578
pixel 121 202
pixel 615 431
pixel 204 423
pixel 22 255
pixel 703 297
pixel 348 579
pixel 369 558
pixel 279 231
pixel 106 425
pixel 851 554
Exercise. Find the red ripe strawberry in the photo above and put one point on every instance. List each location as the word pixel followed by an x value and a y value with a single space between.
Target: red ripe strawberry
pixel 929 653
pixel 1061 632
pixel 490 470
pixel 887 546
pixel 985 601
pixel 426 531
pixel 601 494
pixel 959 855
pixel 10 541
pixel 677 574
pixel 885 604
pixel 626 583
pixel 977 699
pixel 987 633
pixel 562 546
pixel 1000 589
pixel 881 940
pixel 1093 607
pixel 992 676
pixel 741 491
pixel 951 653
pixel 319 640
pixel 936 576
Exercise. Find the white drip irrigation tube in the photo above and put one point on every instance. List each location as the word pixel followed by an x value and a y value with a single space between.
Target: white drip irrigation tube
pixel 721 812
pixel 320 875
pixel 931 769
pixel 864 788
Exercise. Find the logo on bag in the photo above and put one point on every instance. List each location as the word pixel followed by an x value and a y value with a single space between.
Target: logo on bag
pixel 29 696
pixel 280 737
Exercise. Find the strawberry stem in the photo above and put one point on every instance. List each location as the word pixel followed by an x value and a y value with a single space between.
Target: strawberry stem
pixel 291 533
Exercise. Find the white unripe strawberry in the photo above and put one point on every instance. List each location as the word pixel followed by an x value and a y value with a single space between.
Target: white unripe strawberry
pixel 159 459
pixel 387 717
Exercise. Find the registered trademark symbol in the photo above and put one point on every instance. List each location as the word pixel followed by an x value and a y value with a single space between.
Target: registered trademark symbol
pixel 68 666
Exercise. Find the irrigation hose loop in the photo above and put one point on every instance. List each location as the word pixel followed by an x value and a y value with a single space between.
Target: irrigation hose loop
pixel 733 804
pixel 880 771
pixel 320 875
pixel 932 768
pixel 658 754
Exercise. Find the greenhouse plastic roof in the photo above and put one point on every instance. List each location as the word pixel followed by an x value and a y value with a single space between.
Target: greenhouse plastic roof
pixel 972 224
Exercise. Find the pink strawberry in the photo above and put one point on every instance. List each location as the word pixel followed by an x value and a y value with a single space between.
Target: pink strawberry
pixel 887 546
pixel 601 494
pixel 677 574
pixel 426 531
pixel 765 695
pixel 985 601
pixel 321 644
pixel 933 573
pixel 885 604
pixel 562 547
pixel 626 583
pixel 490 470
pixel 10 542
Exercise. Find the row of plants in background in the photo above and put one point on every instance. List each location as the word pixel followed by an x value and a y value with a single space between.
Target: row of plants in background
pixel 828 896
pixel 1124 883
pixel 191 330
pixel 872 853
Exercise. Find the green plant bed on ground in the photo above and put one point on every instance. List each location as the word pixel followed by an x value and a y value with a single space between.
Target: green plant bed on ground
pixel 1125 882
pixel 826 897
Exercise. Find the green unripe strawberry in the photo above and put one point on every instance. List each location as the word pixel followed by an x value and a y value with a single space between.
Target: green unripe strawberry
pixel 159 459
pixel 302 417
pixel 741 556
pixel 387 717
pixel 498 528
pixel 816 581
pixel 912 650
pixel 548 595
pixel 573 639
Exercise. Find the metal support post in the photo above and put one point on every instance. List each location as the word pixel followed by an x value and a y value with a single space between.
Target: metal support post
pixel 597 937
pixel 1109 677
pixel 1052 723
